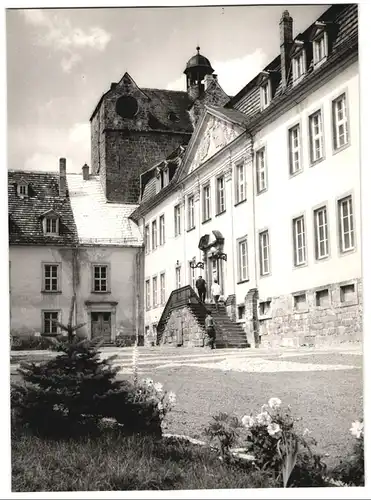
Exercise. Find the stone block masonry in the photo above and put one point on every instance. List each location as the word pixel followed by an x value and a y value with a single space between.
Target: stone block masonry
pixel 182 329
pixel 324 315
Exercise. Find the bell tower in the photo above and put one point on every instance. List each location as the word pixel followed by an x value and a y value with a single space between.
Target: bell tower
pixel 196 70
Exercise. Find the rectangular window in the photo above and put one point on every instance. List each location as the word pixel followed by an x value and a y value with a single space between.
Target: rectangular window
pixel 346 224
pixel 206 203
pixel 154 235
pixel 265 95
pixel 51 278
pixel 300 257
pixel 162 229
pixel 23 189
pixel 321 233
pixel 322 298
pixel 177 225
pixel 294 149
pixel 148 295
pixel 191 212
pixel 347 293
pixel 162 288
pixel 298 66
pixel 320 48
pixel 261 173
pixel 265 308
pixel 242 260
pixel 340 122
pixel 220 195
pixel 49 322
pixel 300 302
pixel 147 239
pixel 241 312
pixel 264 253
pixel 192 276
pixel 240 183
pixel 316 136
pixel 178 279
pixel 100 278
pixel 154 291
pixel 51 225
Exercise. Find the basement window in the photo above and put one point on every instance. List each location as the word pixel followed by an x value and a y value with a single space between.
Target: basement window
pixel 265 308
pixel 323 298
pixel 300 302
pixel 347 293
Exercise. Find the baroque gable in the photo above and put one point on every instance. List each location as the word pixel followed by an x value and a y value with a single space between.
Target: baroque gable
pixel 212 137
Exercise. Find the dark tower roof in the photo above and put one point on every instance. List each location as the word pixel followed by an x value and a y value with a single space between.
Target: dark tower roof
pixel 199 61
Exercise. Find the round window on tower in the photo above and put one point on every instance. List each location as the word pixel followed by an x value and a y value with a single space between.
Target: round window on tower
pixel 127 106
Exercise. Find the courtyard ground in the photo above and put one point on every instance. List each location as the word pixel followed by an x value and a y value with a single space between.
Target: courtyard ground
pixel 323 386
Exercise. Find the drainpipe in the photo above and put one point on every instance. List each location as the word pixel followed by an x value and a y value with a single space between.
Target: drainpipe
pixel 75 251
pixel 232 230
pixel 253 207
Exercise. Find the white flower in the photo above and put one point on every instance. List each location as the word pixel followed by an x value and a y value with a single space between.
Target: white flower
pixel 306 432
pixel 248 421
pixel 273 429
pixel 265 408
pixel 158 387
pixel 357 429
pixel 172 398
pixel 148 382
pixel 160 406
pixel 263 418
pixel 274 403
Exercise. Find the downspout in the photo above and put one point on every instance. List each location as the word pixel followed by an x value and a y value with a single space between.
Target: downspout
pixel 140 270
pixel 253 208
pixel 75 279
pixel 232 230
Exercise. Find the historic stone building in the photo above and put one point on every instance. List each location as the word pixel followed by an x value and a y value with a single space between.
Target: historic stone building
pixel 266 199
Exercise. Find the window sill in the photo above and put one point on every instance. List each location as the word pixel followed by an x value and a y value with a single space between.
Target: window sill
pixel 340 148
pixel 323 308
pixel 264 317
pixel 302 311
pixel 295 174
pixel 266 275
pixel 220 213
pixel 240 202
pixel 207 220
pixel 344 253
pixel 315 162
pixel 191 229
pixel 243 281
pixel 261 191
pixel 55 292
pixel 317 64
pixel 300 266
pixel 98 292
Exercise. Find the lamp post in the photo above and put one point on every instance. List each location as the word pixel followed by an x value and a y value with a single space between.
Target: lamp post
pixel 217 254
pixel 195 265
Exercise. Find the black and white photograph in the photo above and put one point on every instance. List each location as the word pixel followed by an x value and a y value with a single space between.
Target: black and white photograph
pixel 185 250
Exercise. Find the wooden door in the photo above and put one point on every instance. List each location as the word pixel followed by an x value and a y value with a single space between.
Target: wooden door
pixel 101 325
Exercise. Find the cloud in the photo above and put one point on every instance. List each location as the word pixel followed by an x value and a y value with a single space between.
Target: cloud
pixel 57 32
pixel 233 74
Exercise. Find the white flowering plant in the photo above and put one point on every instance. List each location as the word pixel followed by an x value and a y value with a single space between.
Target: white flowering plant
pixel 351 471
pixel 152 392
pixel 272 439
pixel 223 431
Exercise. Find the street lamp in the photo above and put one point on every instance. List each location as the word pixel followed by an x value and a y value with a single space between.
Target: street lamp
pixel 195 265
pixel 217 254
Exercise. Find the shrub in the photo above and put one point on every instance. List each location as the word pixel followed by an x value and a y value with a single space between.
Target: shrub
pixel 125 340
pixel 30 343
pixel 223 430
pixel 352 470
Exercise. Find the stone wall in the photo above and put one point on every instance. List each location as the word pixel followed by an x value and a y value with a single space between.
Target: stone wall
pixel 230 305
pixel 213 96
pixel 182 329
pixel 330 314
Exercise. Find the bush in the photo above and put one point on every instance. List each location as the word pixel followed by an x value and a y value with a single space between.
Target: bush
pixel 351 471
pixel 125 340
pixel 70 394
pixel 30 343
pixel 223 431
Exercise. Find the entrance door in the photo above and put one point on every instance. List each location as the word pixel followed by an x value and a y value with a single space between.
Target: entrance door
pixel 215 273
pixel 101 325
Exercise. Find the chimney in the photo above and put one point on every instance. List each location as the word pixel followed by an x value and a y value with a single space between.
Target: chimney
pixel 62 178
pixel 285 44
pixel 85 172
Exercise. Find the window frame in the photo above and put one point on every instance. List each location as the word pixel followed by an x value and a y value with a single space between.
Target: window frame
pixel 263 271
pixel 161 224
pixel 154 234
pixel 300 56
pixel 177 220
pixel 147 293
pixel 105 265
pixel 316 42
pixel 320 136
pixel 339 202
pixel 292 151
pixel 162 288
pixel 49 219
pixel 58 265
pixel 264 103
pixel 238 183
pixel 335 125
pixel 206 186
pixel 318 257
pixel 43 322
pixel 155 292
pixel 178 273
pixel 259 170
pixel 147 238
pixel 242 276
pixel 190 212
pixel 304 262
pixel 220 194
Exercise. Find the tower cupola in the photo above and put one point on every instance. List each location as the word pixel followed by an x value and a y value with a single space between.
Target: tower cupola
pixel 196 70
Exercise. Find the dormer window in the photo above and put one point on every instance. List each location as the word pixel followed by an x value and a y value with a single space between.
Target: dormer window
pixel 265 94
pixel 298 67
pixel 22 189
pixel 50 222
pixel 320 43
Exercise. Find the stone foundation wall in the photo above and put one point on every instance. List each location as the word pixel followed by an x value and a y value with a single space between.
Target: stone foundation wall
pixel 330 314
pixel 230 305
pixel 182 329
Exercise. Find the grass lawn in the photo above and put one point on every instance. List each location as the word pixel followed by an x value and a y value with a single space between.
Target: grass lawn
pixel 114 462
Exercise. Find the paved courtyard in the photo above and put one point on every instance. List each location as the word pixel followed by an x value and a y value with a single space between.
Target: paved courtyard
pixel 322 385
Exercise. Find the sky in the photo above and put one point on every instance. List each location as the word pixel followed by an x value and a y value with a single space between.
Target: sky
pixel 60 62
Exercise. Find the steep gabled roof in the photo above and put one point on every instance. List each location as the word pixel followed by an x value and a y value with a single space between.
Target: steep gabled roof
pixel 26 212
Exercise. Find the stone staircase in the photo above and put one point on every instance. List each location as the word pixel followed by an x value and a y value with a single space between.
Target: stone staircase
pixel 228 333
